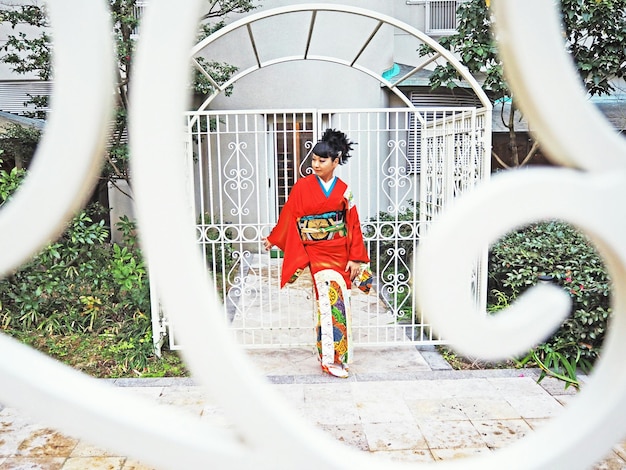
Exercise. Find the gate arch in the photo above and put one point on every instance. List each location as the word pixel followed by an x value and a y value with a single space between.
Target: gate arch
pixel 314 9
pixel 232 153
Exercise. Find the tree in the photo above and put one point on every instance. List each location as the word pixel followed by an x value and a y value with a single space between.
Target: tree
pixel 31 54
pixel 595 36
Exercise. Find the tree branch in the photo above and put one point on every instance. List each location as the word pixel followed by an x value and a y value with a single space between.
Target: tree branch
pixel 128 195
pixel 499 160
pixel 531 153
pixel 513 136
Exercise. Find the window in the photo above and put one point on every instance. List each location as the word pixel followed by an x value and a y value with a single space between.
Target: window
pixel 440 15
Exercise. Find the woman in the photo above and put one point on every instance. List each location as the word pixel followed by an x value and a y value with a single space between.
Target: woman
pixel 319 227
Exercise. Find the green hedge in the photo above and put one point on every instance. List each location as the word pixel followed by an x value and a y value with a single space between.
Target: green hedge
pixel 561 252
pixel 82 284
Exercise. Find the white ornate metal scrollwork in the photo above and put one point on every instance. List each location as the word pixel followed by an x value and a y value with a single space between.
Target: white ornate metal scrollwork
pixel 270 436
pixel 238 174
pixel 395 280
pixel 244 289
pixel 305 168
pixel 65 169
pixel 579 137
pixel 396 176
pixel 264 424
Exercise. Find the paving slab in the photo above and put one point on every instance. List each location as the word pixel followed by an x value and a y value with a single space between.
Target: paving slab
pixel 395 407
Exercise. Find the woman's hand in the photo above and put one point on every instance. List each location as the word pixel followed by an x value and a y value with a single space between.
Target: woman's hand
pixel 266 244
pixel 353 267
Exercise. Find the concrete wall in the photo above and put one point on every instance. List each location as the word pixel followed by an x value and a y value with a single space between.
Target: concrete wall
pixel 120 205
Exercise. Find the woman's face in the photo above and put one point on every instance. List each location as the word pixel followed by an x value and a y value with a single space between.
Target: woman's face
pixel 324 167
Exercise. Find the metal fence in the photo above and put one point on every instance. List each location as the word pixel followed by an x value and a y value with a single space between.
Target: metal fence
pixel 406 166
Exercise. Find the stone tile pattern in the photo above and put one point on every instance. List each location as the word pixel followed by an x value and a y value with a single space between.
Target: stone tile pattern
pixel 413 414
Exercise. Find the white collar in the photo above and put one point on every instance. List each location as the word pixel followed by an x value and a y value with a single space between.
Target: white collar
pixel 327 184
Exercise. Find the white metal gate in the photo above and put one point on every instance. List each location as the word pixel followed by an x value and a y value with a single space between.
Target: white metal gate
pixel 407 166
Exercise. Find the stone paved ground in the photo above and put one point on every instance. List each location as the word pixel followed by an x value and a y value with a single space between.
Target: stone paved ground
pixel 416 411
pixel 400 403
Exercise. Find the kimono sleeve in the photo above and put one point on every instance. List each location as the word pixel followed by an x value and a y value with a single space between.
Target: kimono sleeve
pixel 281 231
pixel 285 235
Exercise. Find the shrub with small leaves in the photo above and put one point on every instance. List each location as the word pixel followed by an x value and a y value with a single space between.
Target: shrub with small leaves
pixel 9 180
pixel 82 284
pixel 567 257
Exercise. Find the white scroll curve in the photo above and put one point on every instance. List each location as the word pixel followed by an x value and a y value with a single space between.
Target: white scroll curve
pixel 546 84
pixel 270 434
pixel 273 432
pixel 265 425
pixel 511 200
pixel 574 134
pixel 63 174
pixel 69 156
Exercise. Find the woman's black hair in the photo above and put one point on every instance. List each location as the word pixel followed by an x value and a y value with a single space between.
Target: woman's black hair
pixel 334 144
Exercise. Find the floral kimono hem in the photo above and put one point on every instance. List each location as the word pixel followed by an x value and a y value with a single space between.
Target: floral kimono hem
pixel 334 319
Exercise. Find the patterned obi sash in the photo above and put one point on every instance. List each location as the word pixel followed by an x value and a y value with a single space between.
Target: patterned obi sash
pixel 325 226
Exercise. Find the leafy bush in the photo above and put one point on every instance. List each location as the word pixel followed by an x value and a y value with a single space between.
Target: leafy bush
pixel 9 180
pixel 100 356
pixel 82 284
pixel 563 254
pixel 18 145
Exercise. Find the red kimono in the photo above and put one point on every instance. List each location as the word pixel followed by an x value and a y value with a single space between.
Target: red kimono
pixel 308 197
pixel 320 228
